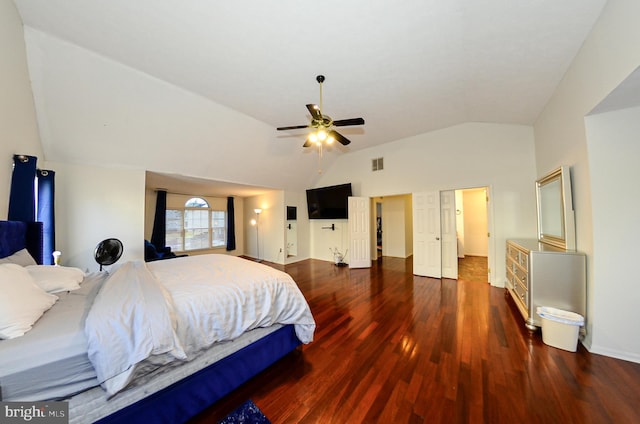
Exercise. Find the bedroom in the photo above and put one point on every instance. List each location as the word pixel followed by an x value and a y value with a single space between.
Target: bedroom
pixel 101 189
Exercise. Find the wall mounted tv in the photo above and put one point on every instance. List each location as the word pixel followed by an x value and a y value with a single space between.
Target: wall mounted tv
pixel 328 202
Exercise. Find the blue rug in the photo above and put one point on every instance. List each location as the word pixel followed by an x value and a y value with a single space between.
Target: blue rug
pixel 247 413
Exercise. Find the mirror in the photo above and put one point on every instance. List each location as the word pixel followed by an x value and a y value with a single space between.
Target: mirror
pixel 292 231
pixel 556 225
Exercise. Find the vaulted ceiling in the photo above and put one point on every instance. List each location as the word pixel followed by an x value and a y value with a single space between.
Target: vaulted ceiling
pixel 197 87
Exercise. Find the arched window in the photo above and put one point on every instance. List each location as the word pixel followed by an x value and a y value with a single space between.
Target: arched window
pixel 196 226
pixel 196 202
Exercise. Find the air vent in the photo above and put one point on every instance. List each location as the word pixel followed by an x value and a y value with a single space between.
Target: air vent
pixel 377 164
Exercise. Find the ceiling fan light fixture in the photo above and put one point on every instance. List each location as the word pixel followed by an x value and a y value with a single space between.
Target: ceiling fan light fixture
pixel 321 128
pixel 322 135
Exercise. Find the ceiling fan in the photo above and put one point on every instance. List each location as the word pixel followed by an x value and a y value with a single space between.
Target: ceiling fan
pixel 322 125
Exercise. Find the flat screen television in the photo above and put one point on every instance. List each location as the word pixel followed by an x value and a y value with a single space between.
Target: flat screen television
pixel 329 202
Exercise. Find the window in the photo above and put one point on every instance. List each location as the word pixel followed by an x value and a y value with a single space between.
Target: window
pixel 174 229
pixel 196 226
pixel 219 228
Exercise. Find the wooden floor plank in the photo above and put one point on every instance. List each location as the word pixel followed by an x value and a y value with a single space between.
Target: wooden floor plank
pixel 394 347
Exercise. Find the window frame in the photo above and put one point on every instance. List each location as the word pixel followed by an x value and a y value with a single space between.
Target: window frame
pixel 210 225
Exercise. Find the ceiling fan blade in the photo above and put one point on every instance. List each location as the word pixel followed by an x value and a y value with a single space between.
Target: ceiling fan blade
pixel 347 122
pixel 293 127
pixel 339 137
pixel 314 110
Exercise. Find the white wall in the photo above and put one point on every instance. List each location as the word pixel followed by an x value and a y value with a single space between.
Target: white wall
pixel 303 244
pixel 271 236
pixel 609 54
pixel 325 240
pixel 18 127
pixel 396 226
pixel 612 138
pixel 92 203
pixel 100 111
pixel 466 155
pixel 95 203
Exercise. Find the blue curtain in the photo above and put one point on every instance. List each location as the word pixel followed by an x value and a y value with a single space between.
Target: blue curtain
pixel 22 201
pixel 45 213
pixel 231 225
pixel 159 233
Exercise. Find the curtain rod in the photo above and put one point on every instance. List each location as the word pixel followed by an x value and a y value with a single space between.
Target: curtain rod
pixel 191 194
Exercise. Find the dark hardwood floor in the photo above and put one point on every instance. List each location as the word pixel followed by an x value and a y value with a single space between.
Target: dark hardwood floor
pixel 391 347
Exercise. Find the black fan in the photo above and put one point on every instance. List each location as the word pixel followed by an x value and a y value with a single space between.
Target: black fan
pixel 323 124
pixel 108 252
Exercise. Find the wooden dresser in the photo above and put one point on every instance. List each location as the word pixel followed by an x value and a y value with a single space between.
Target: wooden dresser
pixel 543 275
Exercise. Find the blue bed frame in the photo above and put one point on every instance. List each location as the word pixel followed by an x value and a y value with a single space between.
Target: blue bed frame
pixel 18 235
pixel 193 394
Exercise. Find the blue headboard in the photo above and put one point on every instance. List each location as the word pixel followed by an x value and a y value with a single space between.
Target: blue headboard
pixel 17 235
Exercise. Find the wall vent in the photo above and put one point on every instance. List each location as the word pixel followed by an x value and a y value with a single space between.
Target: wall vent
pixel 377 164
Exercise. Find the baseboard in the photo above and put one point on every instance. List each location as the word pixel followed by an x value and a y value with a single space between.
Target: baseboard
pixel 625 356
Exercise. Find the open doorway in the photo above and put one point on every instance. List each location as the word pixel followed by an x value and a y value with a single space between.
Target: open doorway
pixel 472 234
pixel 392 224
pixel 435 236
pixel 378 228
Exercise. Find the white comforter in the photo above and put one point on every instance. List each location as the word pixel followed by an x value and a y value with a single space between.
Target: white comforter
pixel 150 314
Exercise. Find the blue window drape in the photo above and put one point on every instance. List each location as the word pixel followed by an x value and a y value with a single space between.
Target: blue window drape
pixel 22 200
pixel 33 188
pixel 159 233
pixel 46 213
pixel 231 225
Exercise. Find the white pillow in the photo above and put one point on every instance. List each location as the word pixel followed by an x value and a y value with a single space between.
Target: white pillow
pixel 54 279
pixel 22 302
pixel 21 257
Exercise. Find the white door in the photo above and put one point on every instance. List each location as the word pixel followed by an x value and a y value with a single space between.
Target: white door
pixel 359 233
pixel 490 240
pixel 426 234
pixel 449 234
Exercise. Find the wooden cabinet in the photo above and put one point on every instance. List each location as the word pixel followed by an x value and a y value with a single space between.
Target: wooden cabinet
pixel 543 275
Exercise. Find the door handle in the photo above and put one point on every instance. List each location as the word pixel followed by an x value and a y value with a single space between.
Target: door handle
pixel 437 238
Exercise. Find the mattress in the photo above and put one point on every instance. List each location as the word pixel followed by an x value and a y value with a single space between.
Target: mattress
pixel 50 361
pixel 91 405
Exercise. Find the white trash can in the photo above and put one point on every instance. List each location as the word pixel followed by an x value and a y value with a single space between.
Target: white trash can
pixel 560 328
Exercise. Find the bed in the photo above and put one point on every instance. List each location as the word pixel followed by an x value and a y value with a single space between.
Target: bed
pixel 181 362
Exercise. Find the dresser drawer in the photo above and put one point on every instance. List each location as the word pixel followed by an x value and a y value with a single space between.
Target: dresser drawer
pixel 518 256
pixel 511 265
pixel 521 293
pixel 524 260
pixel 513 253
pixel 511 280
pixel 521 276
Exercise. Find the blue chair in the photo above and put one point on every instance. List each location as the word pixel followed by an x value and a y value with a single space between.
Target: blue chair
pixel 151 253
